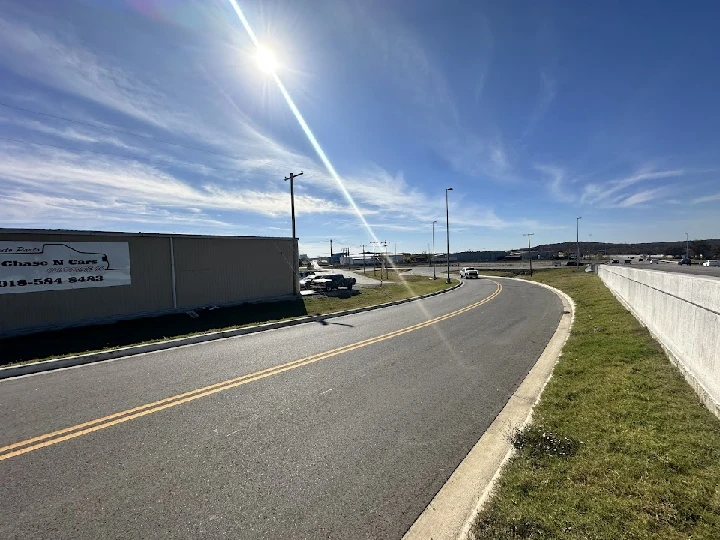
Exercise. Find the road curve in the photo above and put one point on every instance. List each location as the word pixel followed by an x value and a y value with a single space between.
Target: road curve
pixel 345 429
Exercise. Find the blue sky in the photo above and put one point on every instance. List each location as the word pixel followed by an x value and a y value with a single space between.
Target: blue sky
pixel 534 112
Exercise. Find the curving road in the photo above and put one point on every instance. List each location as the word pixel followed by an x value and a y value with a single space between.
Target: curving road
pixel 339 430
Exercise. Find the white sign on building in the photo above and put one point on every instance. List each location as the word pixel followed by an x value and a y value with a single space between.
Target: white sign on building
pixel 53 266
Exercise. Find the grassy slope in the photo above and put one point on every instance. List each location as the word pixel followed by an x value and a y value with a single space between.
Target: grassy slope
pixel 642 454
pixel 401 286
pixel 123 333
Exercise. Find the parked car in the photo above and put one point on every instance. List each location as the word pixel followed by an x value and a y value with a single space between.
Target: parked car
pixel 685 261
pixel 615 261
pixel 469 272
pixel 307 279
pixel 711 262
pixel 330 282
pixel 654 261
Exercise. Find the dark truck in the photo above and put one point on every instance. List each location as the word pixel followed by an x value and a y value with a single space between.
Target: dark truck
pixel 331 282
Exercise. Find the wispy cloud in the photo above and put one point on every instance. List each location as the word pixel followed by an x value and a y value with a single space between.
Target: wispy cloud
pixel 640 197
pixel 556 183
pixel 608 193
pixel 548 91
pixel 68 182
pixel 170 188
pixel 414 72
pixel 706 199
pixel 71 134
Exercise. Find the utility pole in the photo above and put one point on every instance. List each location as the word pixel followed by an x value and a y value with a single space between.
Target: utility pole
pixel 529 252
pixel 378 243
pixel 577 240
pixel 363 259
pixel 432 255
pixel 687 246
pixel 331 253
pixel 294 236
pixel 385 261
pixel 447 230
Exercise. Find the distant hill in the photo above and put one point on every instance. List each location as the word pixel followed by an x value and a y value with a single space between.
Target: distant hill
pixel 709 249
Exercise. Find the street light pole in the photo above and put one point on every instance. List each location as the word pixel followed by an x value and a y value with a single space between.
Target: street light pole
pixel 577 240
pixel 363 259
pixel 529 252
pixel 432 255
pixel 294 237
pixel 687 246
pixel 447 231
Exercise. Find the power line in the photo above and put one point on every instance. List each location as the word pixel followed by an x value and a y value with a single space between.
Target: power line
pixel 133 158
pixel 118 130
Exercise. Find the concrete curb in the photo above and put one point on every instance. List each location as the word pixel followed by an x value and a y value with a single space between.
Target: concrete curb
pixel 452 512
pixel 133 350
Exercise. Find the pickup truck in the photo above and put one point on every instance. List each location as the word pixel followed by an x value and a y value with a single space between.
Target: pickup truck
pixel 331 282
pixel 468 273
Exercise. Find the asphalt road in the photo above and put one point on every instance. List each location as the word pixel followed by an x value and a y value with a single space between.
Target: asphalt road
pixel 695 269
pixel 352 444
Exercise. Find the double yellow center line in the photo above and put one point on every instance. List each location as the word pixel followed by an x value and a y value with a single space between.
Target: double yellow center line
pixel 48 439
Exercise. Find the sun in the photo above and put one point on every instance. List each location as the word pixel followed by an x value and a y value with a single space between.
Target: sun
pixel 266 60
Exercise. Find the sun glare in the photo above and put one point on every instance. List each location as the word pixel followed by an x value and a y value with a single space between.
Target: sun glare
pixel 266 60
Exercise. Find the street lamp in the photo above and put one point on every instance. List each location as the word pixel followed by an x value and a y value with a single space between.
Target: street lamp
pixel 447 231
pixel 529 252
pixel 432 255
pixel 577 240
pixel 687 248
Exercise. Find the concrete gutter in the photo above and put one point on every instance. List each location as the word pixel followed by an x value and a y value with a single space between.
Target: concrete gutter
pixel 132 350
pixel 451 514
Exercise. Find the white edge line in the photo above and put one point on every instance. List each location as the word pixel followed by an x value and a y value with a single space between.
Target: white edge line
pixel 454 509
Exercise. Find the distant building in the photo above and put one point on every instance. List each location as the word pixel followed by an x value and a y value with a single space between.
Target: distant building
pixel 478 256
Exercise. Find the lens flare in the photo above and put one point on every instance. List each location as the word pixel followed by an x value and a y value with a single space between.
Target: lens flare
pixel 266 60
pixel 321 154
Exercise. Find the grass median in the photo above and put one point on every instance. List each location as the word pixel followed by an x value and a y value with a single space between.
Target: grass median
pixel 72 341
pixel 620 446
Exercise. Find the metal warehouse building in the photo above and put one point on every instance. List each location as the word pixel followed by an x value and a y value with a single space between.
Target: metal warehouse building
pixel 58 278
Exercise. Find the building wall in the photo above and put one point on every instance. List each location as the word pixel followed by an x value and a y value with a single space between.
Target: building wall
pixel 208 271
pixel 215 270
pixel 683 312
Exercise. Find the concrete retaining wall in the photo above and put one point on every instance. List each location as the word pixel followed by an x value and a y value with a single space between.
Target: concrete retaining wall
pixel 683 312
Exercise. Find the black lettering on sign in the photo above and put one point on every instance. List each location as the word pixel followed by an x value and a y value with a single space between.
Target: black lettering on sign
pixel 58 263
pixel 21 263
pixel 74 261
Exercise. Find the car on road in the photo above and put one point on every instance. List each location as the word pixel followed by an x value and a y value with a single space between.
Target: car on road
pixel 331 282
pixel 654 261
pixel 469 272
pixel 711 262
pixel 615 261
pixel 685 261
